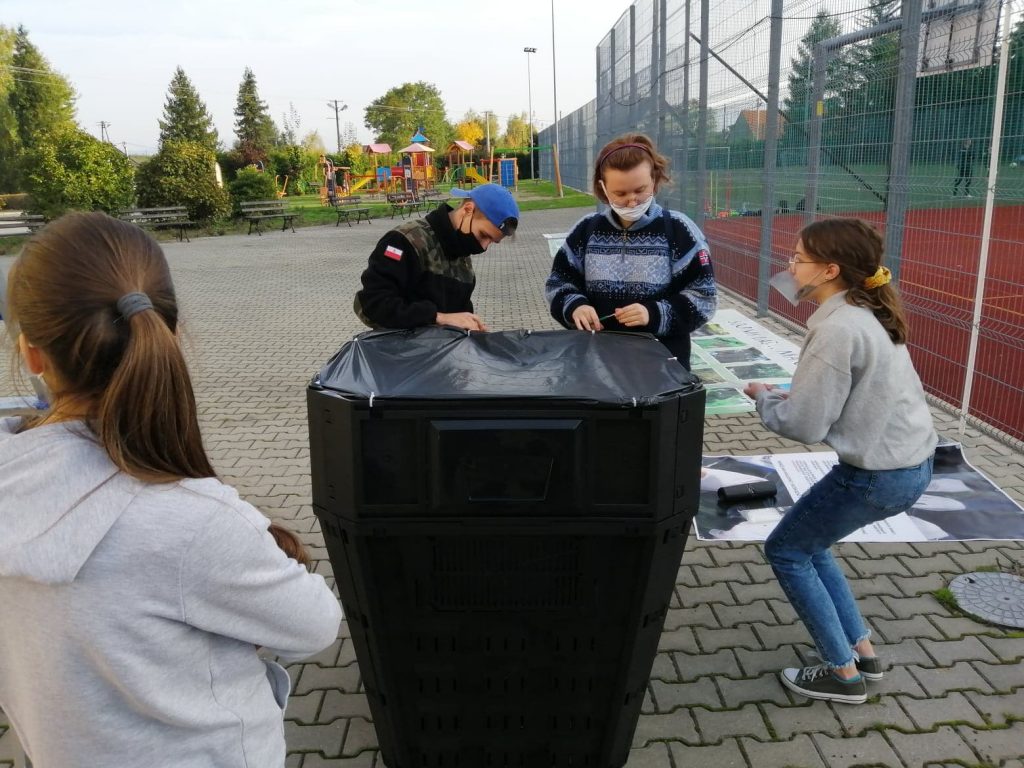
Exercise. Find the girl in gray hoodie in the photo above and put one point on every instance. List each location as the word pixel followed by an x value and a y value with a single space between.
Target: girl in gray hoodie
pixel 134 585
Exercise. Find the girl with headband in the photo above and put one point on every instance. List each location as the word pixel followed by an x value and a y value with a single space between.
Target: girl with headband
pixel 855 389
pixel 637 266
pixel 134 585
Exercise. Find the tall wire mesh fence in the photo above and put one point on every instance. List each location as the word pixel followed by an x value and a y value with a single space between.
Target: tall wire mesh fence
pixel 909 117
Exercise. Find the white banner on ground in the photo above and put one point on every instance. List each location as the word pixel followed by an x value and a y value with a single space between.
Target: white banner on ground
pixel 960 504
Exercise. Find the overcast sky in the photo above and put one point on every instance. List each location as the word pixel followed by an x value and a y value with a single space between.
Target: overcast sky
pixel 120 55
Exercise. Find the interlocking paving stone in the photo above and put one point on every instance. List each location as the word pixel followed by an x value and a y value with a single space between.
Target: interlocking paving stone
pixel 765 687
pixel 681 639
pixel 877 710
pixel 702 692
pixel 1006 649
pixel 360 737
pixel 724 755
pixel 943 746
pixel 998 708
pixel 895 630
pixel 734 615
pixel 955 707
pixel 909 607
pixel 800 752
pixel 948 652
pixel 718 664
pixel 808 717
pixel 716 726
pixel 664 669
pixel 696 596
pixel 869 749
pixel 653 756
pixel 996 745
pixel 897 680
pixel 668 726
pixel 940 680
pixel 337 704
pixel 326 738
pixel 756 663
pixel 365 760
pixel 880 585
pixel 1004 677
pixel 712 640
pixel 955 627
pixel 940 562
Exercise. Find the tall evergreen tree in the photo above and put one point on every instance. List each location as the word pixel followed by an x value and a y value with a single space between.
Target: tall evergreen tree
pixel 797 104
pixel 42 100
pixel 185 115
pixel 254 128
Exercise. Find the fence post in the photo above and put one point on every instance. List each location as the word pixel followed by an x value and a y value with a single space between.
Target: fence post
pixel 986 230
pixel 821 56
pixel 702 117
pixel 632 69
pixel 660 34
pixel 684 149
pixel 902 134
pixel 771 146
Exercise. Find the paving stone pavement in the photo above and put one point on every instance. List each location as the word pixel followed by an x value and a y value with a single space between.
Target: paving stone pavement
pixel 262 313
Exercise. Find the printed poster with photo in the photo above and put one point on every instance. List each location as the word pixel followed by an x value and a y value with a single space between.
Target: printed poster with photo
pixel 960 503
pixel 732 350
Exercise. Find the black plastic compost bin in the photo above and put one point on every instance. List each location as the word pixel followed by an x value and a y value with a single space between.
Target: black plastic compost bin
pixel 505 514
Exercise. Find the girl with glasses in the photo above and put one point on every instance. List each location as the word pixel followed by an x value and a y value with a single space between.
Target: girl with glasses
pixel 856 390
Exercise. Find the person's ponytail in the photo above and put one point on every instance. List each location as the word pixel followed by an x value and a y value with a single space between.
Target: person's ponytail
pixel 146 416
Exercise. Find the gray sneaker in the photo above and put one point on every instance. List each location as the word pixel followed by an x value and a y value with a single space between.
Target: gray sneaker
pixel 818 682
pixel 871 668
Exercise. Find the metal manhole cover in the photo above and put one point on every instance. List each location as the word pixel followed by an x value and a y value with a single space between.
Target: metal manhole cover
pixel 995 597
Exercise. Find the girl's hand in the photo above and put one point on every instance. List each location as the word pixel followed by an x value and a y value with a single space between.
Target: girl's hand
pixel 753 388
pixel 633 316
pixel 585 318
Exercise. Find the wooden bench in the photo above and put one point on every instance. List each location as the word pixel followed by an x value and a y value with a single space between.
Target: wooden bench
pixel 348 208
pixel 402 202
pixel 167 217
pixel 258 211
pixel 18 224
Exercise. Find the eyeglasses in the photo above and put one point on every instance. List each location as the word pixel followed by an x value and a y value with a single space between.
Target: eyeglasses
pixel 793 260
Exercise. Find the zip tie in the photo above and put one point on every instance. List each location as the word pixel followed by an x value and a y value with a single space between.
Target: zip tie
pixel 634 402
pixel 673 358
pixel 372 395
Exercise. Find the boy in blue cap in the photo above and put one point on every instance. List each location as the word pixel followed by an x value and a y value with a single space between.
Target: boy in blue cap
pixel 421 272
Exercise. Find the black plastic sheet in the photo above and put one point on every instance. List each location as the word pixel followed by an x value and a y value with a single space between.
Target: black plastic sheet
pixel 445 363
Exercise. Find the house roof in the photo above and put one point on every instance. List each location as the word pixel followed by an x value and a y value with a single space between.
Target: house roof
pixel 416 147
pixel 757 121
pixel 419 137
pixel 465 146
pixel 378 149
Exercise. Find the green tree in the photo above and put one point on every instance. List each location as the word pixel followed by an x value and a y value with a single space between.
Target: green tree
pixel 10 144
pixel 797 104
pixel 42 100
pixel 399 113
pixel 185 115
pixel 181 173
pixel 517 131
pixel 254 128
pixel 71 170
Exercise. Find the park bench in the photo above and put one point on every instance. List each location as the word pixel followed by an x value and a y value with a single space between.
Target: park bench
pixel 348 208
pixel 166 217
pixel 403 202
pixel 17 224
pixel 430 197
pixel 257 211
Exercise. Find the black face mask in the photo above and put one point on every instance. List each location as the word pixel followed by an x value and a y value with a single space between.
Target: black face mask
pixel 468 243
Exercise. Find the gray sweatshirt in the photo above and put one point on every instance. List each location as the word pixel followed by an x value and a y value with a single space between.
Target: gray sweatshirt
pixel 856 391
pixel 130 613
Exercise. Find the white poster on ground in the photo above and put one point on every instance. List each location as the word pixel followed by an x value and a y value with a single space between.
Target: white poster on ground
pixel 960 504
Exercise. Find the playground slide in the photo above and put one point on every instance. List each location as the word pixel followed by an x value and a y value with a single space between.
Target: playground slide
pixel 471 173
pixel 362 183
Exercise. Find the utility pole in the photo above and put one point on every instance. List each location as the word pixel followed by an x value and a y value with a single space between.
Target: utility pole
pixel 337 120
pixel 103 130
pixel 487 128
pixel 554 83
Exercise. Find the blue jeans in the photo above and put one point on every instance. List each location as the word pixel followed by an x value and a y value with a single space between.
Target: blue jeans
pixel 846 499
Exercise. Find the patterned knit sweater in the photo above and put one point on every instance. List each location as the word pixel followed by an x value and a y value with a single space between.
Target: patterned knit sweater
pixel 662 262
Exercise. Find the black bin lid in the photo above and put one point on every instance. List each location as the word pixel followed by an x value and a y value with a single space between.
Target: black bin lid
pixel 443 363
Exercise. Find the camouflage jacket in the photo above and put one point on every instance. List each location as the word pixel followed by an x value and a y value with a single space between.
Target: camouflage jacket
pixel 416 271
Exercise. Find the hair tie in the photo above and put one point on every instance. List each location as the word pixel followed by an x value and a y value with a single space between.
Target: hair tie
pixel 133 303
pixel 606 153
pixel 881 277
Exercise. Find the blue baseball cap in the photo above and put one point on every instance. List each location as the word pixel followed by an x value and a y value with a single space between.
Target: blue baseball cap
pixel 496 203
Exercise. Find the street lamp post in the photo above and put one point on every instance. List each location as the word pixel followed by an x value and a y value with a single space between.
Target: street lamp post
pixel 529 96
pixel 554 84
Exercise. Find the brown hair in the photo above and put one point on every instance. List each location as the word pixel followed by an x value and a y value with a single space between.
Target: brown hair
pixel 856 248
pixel 290 544
pixel 620 156
pixel 129 374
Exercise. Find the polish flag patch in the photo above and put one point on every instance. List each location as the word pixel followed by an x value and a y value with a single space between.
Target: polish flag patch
pixel 702 257
pixel 393 253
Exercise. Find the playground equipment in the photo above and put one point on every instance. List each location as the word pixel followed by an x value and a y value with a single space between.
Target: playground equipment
pixel 419 162
pixel 282 188
pixel 470 172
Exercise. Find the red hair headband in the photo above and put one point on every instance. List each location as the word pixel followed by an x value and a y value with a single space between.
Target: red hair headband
pixel 607 152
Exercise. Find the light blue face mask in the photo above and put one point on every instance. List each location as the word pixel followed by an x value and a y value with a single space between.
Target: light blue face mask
pixel 629 212
pixel 786 284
